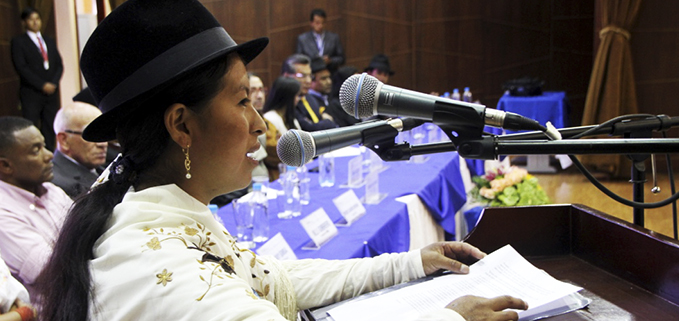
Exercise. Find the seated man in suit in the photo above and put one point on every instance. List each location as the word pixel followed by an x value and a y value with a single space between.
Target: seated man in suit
pixel 113 148
pixel 321 87
pixel 32 209
pixel 77 162
pixel 309 113
pixel 321 43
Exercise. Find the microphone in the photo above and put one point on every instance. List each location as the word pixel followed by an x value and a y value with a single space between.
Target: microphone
pixel 297 147
pixel 363 96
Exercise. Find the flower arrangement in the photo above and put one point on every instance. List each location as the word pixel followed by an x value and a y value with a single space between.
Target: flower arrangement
pixel 511 186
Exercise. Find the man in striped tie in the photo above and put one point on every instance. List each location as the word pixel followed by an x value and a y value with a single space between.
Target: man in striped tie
pixel 38 64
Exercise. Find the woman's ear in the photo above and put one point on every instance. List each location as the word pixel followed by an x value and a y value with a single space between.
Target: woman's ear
pixel 176 118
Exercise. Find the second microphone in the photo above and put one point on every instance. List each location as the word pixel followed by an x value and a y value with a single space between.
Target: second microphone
pixel 297 147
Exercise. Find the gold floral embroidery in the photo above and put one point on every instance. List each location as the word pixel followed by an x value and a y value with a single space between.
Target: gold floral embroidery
pixel 190 231
pixel 154 244
pixel 198 238
pixel 164 277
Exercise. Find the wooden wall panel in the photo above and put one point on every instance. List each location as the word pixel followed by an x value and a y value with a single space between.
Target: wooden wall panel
pixel 383 26
pixel 655 53
pixel 10 26
pixel 237 19
pixel 517 44
pixel 436 45
pixel 433 45
pixel 572 52
pixel 445 37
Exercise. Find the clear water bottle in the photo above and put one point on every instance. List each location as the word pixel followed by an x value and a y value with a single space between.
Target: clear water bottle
pixel 213 209
pixel 291 194
pixel 259 205
pixel 303 175
pixel 467 95
pixel 455 95
pixel 326 170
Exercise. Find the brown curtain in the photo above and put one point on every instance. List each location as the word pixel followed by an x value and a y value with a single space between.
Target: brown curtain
pixel 612 91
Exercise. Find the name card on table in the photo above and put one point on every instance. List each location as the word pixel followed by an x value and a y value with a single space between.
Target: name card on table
pixel 278 248
pixel 355 172
pixel 349 206
pixel 319 227
pixel 372 189
pixel 376 163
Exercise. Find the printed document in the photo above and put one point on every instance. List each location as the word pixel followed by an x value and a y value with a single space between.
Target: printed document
pixel 503 272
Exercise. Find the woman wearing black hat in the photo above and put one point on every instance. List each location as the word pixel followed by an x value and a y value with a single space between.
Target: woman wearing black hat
pixel 143 245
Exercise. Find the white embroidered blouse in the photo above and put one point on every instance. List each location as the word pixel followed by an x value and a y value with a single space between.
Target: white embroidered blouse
pixel 164 257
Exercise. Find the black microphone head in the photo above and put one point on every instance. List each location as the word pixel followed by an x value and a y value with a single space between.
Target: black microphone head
pixel 358 94
pixel 296 148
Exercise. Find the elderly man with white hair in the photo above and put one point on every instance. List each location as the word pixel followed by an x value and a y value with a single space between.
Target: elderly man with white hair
pixel 77 162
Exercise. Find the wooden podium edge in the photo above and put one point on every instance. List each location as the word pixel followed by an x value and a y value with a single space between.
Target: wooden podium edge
pixel 635 254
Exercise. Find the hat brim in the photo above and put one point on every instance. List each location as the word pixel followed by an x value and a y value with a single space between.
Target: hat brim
pixel 390 72
pixel 103 128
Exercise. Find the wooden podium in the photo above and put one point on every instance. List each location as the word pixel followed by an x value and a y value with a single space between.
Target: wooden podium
pixel 629 272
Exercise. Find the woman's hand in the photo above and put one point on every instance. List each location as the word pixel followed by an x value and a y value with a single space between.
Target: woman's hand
pixel 474 308
pixel 449 256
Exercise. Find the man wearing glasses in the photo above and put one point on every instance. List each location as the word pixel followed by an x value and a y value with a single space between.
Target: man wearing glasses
pixel 77 162
pixel 309 113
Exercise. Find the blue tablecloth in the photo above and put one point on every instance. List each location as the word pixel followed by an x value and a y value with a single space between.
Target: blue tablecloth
pixel 550 106
pixel 385 227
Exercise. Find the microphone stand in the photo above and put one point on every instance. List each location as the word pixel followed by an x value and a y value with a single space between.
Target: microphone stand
pixel 636 145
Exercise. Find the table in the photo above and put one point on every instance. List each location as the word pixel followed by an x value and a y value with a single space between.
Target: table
pixel 385 228
pixel 551 106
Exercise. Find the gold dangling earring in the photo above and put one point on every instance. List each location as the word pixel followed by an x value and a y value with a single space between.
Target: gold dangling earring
pixel 187 162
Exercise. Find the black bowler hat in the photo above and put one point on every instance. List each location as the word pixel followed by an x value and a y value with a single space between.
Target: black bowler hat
pixel 318 64
pixel 381 63
pixel 144 45
pixel 85 96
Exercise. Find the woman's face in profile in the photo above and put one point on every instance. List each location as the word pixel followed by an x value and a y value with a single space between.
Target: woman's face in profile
pixel 227 134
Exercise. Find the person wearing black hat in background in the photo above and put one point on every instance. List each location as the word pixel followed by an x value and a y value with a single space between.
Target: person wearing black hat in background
pixel 39 66
pixel 321 43
pixel 321 88
pixel 380 68
pixel 143 245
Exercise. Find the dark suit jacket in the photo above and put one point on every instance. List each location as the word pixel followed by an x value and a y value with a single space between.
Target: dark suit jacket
pixel 306 44
pixel 28 62
pixel 305 120
pixel 73 178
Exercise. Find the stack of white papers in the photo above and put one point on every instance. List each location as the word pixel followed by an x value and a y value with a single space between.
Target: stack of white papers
pixel 503 272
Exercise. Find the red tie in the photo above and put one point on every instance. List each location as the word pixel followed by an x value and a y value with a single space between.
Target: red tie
pixel 42 50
